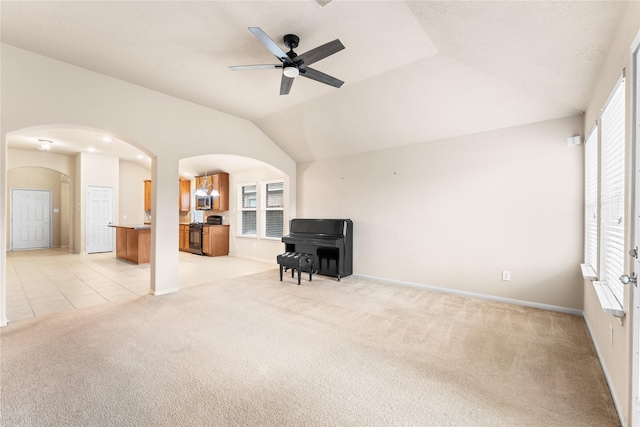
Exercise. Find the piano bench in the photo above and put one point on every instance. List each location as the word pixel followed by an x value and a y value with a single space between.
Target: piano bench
pixel 296 261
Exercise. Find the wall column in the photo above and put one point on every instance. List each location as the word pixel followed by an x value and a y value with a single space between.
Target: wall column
pixel 164 226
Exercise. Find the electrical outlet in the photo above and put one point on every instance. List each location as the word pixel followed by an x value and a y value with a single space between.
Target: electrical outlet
pixel 506 275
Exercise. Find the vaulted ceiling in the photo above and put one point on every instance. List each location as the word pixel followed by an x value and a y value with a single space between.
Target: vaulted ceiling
pixel 414 71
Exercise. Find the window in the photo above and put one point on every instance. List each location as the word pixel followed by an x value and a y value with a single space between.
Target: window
pixel 248 204
pixel 591 205
pixel 274 209
pixel 269 195
pixel 612 191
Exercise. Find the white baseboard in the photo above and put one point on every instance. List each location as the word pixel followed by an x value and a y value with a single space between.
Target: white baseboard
pixel 606 374
pixel 478 295
pixel 164 292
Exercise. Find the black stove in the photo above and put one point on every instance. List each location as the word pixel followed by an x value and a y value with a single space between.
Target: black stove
pixel 195 233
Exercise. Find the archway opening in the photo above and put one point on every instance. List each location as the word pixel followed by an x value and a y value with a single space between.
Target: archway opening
pixel 62 276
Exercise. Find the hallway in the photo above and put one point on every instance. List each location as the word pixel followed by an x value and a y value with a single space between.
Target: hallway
pixel 47 281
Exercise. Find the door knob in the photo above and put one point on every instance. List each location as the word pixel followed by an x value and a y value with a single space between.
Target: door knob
pixel 625 279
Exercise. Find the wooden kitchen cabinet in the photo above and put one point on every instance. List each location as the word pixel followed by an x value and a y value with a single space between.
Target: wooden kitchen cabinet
pixel 133 243
pixel 183 243
pixel 184 201
pixel 147 195
pixel 220 182
pixel 206 242
pixel 215 240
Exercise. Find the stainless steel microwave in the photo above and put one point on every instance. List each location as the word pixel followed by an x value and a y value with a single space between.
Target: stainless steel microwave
pixel 204 202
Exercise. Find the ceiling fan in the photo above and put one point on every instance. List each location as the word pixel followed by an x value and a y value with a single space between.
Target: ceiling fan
pixel 293 64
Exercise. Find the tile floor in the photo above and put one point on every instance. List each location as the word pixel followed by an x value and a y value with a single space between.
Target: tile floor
pixel 49 281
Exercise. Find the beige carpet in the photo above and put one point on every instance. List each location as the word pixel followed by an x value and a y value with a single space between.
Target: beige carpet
pixel 255 351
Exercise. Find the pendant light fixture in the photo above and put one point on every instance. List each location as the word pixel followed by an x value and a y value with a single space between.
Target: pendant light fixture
pixel 203 189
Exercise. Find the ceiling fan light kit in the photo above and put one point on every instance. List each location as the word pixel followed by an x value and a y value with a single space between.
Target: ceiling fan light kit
pixel 293 64
pixel 291 72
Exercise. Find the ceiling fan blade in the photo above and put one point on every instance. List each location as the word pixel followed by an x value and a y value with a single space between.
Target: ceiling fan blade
pixel 270 44
pixel 285 85
pixel 321 52
pixel 254 67
pixel 321 77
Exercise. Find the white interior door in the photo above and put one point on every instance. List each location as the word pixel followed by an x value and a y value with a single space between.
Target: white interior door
pixel 30 219
pixel 99 217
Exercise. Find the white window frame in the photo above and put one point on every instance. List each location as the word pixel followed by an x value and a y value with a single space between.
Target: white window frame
pixel 260 209
pixel 263 215
pixel 242 209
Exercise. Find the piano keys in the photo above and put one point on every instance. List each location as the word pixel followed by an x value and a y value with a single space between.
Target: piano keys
pixel 329 240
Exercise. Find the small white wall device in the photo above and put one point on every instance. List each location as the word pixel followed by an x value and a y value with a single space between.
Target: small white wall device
pixel 574 140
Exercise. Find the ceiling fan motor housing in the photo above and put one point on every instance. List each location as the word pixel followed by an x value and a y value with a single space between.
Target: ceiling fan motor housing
pixel 291 41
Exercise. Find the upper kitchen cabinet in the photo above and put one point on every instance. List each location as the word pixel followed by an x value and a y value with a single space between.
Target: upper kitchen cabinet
pixel 220 182
pixel 184 202
pixel 147 195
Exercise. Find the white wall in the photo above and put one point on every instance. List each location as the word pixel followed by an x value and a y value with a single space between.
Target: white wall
pixel 59 162
pixel 131 185
pixel 454 213
pixel 616 355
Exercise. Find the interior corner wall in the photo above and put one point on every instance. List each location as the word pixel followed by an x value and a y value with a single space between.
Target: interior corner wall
pixel 455 213
pixel 613 338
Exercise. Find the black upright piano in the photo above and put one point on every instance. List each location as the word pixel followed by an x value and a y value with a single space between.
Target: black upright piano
pixel 329 240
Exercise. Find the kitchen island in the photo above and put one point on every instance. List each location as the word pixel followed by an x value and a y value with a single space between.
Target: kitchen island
pixel 133 243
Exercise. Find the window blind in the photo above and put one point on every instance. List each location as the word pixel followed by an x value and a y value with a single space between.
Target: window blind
pixel 274 213
pixel 591 201
pixel 273 223
pixel 612 189
pixel 248 213
pixel 249 222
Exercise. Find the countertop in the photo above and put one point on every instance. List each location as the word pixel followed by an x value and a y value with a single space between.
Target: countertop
pixel 132 227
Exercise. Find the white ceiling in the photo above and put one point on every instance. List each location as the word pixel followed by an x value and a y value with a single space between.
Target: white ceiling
pixel 413 71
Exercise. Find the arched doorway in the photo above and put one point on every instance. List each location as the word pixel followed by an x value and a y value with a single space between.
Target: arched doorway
pixel 62 277
pixel 31 183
